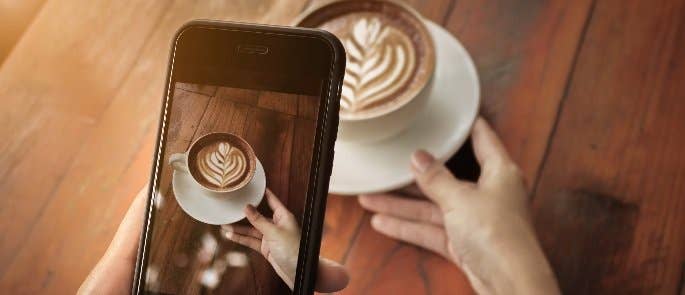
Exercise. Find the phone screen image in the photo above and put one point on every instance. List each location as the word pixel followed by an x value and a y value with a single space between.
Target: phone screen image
pixel 224 148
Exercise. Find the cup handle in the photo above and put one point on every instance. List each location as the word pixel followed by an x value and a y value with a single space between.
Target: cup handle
pixel 178 162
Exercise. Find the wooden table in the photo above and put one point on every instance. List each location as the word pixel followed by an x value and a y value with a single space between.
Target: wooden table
pixel 587 96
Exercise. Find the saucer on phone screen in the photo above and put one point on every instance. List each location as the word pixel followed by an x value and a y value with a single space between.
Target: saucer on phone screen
pixel 217 208
pixel 441 128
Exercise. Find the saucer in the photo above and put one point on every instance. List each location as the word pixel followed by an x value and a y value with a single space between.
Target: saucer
pixel 441 128
pixel 217 208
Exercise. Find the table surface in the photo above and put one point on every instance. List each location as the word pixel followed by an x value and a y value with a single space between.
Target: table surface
pixel 587 96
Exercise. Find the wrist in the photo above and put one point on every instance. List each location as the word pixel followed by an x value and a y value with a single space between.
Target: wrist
pixel 511 261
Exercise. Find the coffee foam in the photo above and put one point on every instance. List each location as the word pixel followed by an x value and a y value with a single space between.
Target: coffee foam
pixel 221 164
pixel 390 55
pixel 381 60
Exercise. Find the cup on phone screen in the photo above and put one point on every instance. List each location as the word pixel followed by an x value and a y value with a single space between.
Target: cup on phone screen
pixel 218 162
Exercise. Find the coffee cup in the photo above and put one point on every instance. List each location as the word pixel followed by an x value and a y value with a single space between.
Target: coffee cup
pixel 218 162
pixel 390 63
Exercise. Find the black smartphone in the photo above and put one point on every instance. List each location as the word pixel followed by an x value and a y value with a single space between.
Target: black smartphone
pixel 242 163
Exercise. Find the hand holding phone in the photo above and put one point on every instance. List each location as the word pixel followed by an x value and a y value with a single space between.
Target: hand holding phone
pixel 113 273
pixel 246 107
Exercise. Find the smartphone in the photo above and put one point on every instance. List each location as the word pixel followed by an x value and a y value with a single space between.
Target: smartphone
pixel 247 128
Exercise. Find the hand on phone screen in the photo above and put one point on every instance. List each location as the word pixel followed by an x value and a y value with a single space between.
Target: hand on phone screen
pixel 278 240
pixel 113 274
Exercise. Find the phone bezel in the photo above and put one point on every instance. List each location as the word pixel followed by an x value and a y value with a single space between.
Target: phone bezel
pixel 322 162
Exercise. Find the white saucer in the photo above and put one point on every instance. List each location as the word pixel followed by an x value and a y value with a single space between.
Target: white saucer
pixel 217 208
pixel 441 129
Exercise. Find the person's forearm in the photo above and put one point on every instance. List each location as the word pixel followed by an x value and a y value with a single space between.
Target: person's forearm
pixel 517 265
pixel 528 272
pixel 486 223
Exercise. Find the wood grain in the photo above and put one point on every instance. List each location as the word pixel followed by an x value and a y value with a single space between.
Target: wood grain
pixel 523 51
pixel 607 202
pixel 610 200
pixel 97 94
pixel 56 85
pixel 16 16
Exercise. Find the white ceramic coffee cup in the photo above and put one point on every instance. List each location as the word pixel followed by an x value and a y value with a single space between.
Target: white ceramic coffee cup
pixel 385 126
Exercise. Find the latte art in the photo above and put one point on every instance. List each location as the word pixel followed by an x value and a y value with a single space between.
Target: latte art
pixel 380 60
pixel 221 164
pixel 390 59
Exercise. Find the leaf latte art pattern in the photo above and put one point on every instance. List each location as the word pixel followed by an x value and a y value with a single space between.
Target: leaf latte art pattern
pixel 222 164
pixel 380 61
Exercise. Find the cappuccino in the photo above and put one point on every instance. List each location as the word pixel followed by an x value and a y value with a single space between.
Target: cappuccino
pixel 390 55
pixel 221 162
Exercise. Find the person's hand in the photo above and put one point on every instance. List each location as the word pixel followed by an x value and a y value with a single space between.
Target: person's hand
pixel 278 240
pixel 483 227
pixel 113 274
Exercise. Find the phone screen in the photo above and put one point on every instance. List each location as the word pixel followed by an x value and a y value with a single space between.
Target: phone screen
pixel 241 168
pixel 204 183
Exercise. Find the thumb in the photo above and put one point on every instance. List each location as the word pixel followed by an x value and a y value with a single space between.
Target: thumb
pixel 261 223
pixel 125 242
pixel 436 181
pixel 113 271
pixel 331 276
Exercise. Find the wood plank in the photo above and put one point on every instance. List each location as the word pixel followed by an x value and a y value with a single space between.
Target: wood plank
pixel 208 90
pixel 389 266
pixel 522 76
pixel 523 51
pixel 280 102
pixel 273 134
pixel 50 91
pixel 16 16
pixel 610 200
pixel 243 96
pixel 437 11
pixel 24 199
pixel 307 107
pixel 343 219
pixel 80 81
pixel 304 130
